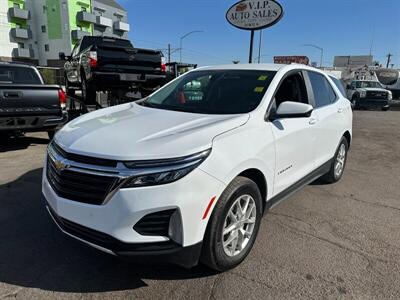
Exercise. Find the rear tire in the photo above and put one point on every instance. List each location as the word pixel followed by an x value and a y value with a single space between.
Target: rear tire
pixel 338 163
pixel 70 92
pixel 240 226
pixel 88 92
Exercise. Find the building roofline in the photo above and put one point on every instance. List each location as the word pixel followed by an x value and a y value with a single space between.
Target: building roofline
pixel 111 3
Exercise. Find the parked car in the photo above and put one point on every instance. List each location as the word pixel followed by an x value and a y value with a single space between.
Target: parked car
pixel 26 103
pixel 368 94
pixel 182 177
pixel 114 65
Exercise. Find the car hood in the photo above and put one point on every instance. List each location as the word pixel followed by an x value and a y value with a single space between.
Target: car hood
pixel 133 132
pixel 373 89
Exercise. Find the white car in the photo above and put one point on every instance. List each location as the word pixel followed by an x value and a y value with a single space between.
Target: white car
pixel 186 174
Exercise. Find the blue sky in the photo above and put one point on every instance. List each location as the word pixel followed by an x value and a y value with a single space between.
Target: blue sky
pixel 341 27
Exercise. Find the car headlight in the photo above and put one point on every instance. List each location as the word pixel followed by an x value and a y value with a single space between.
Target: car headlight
pixel 363 94
pixel 390 95
pixel 156 172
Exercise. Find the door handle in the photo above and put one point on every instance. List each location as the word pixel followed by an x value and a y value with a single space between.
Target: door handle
pixel 340 110
pixel 312 121
pixel 14 95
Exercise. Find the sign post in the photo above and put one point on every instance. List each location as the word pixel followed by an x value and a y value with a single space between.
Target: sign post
pixel 254 15
pixel 251 47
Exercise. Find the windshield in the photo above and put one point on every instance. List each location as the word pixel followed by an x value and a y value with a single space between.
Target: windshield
pixel 18 75
pixel 368 84
pixel 214 92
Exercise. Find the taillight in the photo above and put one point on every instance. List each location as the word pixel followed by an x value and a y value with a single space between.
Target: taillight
pixel 62 98
pixel 163 65
pixel 92 59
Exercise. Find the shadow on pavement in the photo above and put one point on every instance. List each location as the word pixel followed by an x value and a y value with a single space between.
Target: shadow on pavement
pixel 19 142
pixel 34 253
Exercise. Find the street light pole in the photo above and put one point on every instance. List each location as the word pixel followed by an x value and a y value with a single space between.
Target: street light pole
pixel 258 58
pixel 181 40
pixel 320 49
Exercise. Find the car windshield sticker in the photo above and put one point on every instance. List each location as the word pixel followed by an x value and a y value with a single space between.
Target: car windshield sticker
pixel 263 77
pixel 259 89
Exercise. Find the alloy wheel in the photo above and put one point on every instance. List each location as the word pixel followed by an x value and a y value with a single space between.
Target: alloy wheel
pixel 239 225
pixel 340 161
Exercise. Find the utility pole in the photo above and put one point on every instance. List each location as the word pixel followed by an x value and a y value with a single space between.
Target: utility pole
pixel 389 58
pixel 169 53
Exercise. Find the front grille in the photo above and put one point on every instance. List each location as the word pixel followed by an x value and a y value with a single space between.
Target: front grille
pixel 376 95
pixel 155 224
pixel 84 159
pixel 78 186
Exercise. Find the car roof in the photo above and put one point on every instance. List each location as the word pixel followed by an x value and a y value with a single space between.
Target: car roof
pixel 16 64
pixel 260 67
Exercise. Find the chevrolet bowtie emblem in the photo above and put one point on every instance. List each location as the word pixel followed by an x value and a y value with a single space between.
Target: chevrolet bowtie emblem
pixel 60 165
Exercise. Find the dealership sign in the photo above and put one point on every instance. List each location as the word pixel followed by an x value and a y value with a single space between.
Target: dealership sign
pixel 254 14
pixel 291 59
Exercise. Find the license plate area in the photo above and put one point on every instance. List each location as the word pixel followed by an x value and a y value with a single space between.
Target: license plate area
pixel 131 77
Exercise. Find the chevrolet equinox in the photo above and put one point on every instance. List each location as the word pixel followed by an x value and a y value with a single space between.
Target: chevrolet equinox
pixel 186 174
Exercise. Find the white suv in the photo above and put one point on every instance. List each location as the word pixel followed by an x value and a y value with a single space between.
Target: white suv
pixel 187 173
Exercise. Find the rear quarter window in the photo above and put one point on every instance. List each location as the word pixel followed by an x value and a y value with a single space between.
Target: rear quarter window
pixel 340 85
pixel 19 75
pixel 322 89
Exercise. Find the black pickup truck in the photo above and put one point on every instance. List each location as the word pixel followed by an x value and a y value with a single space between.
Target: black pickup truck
pixel 111 65
pixel 26 103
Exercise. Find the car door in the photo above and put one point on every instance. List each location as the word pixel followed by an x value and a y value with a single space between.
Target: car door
pixel 329 114
pixel 294 141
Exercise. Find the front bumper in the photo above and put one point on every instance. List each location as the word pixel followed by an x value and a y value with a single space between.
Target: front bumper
pixel 109 227
pixel 372 103
pixel 32 123
pixel 169 252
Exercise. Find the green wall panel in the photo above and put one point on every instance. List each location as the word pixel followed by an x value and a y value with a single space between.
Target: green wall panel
pixel 54 19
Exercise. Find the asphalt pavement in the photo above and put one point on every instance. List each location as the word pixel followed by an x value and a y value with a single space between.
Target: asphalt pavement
pixel 339 241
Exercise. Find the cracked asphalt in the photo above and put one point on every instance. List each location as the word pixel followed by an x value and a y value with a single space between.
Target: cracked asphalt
pixel 338 241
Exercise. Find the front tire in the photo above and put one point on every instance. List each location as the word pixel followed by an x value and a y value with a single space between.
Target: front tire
pixel 354 103
pixel 338 164
pixel 233 225
pixel 51 134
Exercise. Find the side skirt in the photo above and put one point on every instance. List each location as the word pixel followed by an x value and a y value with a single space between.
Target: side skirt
pixel 314 175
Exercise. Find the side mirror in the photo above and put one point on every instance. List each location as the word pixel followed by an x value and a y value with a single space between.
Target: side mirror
pixel 62 56
pixel 290 109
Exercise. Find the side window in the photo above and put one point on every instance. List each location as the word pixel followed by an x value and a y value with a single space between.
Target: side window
pixel 323 91
pixel 340 85
pixel 292 88
pixel 76 49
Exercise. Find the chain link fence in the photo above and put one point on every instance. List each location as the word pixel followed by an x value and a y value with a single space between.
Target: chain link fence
pixel 52 75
